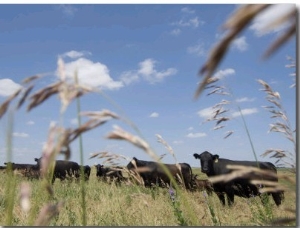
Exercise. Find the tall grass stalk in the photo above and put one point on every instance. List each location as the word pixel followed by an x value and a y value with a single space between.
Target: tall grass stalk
pixel 82 178
pixel 10 185
pixel 248 133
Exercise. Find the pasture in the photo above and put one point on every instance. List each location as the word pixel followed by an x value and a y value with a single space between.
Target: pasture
pixel 108 204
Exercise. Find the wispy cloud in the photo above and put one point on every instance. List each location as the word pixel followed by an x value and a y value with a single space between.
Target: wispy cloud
pixel 68 10
pixel 223 73
pixel 240 44
pixel 30 122
pixel 206 112
pixel 75 54
pixel 154 115
pixel 91 73
pixel 20 134
pixel 197 49
pixel 196 135
pixel 264 19
pixel 177 142
pixel 191 22
pixel 175 32
pixel 187 10
pixel 190 128
pixel 246 111
pixel 148 72
pixel 244 99
pixel 187 20
pixel 8 87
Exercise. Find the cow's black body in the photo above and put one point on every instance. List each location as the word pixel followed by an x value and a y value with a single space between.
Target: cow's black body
pixel 109 173
pixel 63 169
pixel 20 166
pixel 153 172
pixel 212 165
pixel 86 171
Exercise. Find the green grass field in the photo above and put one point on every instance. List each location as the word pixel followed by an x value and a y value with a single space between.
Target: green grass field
pixel 133 205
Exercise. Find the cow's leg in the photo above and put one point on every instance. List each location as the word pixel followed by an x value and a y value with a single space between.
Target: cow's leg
pixel 221 198
pixel 53 179
pixel 230 198
pixel 277 197
pixel 230 194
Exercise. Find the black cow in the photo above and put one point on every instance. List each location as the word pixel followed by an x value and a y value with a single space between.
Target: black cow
pixel 153 173
pixel 17 166
pixel 109 173
pixel 212 165
pixel 63 168
pixel 86 171
pixel 202 185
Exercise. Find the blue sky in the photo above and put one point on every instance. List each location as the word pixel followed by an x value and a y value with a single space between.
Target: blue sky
pixel 145 58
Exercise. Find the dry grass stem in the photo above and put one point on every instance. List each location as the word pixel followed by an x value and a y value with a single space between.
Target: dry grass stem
pixel 47 213
pixel 101 114
pixel 43 94
pixel 228 133
pixel 120 134
pixel 242 171
pixel 168 147
pixel 89 125
pixel 282 126
pixel 290 18
pixel 5 104
pixel 30 79
pixel 25 193
pixel 25 95
pixel 236 23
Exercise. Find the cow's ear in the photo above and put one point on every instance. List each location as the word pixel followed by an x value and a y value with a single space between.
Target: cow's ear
pixel 216 158
pixel 197 156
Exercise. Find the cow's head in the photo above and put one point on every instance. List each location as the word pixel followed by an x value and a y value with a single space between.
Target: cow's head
pixel 132 164
pixel 100 170
pixel 206 161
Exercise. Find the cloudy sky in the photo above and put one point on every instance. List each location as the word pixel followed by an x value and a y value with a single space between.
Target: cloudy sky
pixel 145 61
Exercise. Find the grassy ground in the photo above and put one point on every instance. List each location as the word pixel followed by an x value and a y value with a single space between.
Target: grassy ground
pixel 128 205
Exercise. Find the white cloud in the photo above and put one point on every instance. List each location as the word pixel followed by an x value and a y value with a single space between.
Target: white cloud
pixel 222 73
pixel 148 72
pixel 190 128
pixel 75 54
pixel 240 43
pixel 20 134
pixel 68 10
pixel 175 32
pixel 206 112
pixel 187 10
pixel 154 115
pixel 30 122
pixel 247 111
pixel 244 99
pixel 91 73
pixel 177 142
pixel 196 135
pixel 264 19
pixel 192 22
pixel 8 87
pixel 197 49
pixel 129 77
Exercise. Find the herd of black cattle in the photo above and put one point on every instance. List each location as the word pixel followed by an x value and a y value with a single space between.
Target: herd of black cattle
pixel 152 173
